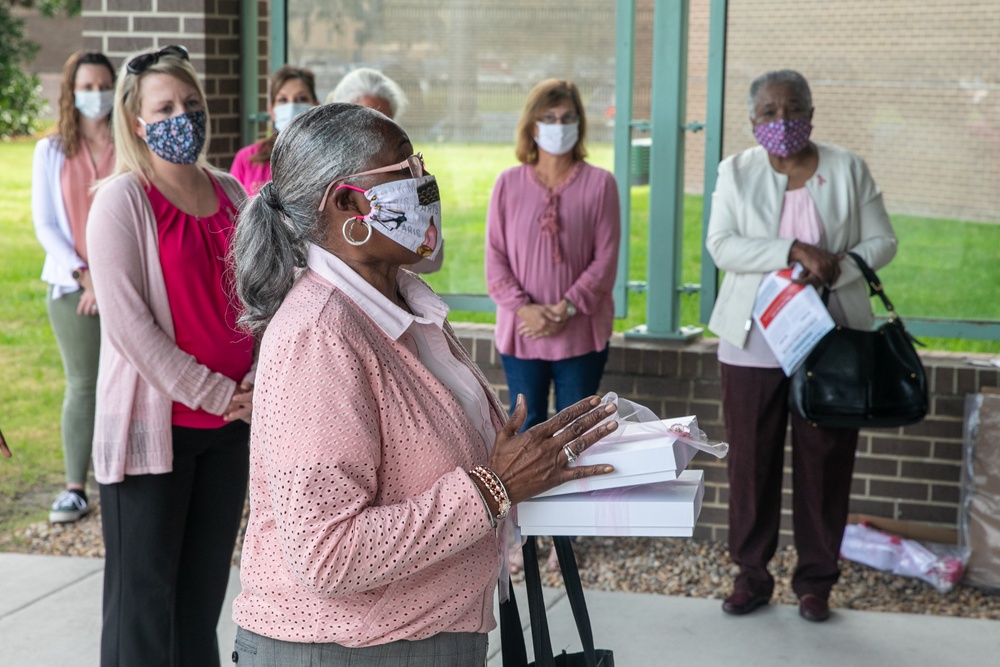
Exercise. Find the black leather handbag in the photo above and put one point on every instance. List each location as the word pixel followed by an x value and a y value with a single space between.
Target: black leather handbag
pixel 511 636
pixel 862 379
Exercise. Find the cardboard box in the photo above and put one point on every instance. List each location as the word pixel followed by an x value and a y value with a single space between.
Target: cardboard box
pixel 640 453
pixel 665 509
pixel 910 530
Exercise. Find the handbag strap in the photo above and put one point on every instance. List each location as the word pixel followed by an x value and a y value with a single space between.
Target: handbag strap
pixel 874 284
pixel 511 635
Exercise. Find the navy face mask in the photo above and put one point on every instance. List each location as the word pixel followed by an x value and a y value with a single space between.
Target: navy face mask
pixel 178 139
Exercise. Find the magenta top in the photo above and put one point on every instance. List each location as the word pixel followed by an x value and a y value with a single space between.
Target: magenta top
pixel 251 174
pixel 193 255
pixel 545 245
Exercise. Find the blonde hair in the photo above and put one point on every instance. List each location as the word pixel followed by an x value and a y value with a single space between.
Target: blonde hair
pixel 132 154
pixel 68 125
pixel 545 95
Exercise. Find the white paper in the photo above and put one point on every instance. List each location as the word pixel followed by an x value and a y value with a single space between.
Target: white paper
pixel 791 317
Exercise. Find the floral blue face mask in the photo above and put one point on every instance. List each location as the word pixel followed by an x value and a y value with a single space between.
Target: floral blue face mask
pixel 178 139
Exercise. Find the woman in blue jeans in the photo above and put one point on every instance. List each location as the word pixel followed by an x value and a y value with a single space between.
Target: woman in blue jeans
pixel 551 256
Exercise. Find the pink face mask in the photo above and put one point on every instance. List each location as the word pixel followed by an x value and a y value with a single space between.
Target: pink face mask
pixel 784 137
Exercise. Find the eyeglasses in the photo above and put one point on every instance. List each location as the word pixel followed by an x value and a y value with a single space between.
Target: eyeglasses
pixel 415 163
pixel 144 61
pixel 567 118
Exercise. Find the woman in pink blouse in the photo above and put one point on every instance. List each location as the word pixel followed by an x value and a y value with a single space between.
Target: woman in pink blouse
pixel 552 235
pixel 291 91
pixel 381 469
pixel 66 166
pixel 174 384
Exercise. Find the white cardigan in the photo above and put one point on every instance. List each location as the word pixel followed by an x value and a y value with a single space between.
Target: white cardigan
pixel 743 232
pixel 48 210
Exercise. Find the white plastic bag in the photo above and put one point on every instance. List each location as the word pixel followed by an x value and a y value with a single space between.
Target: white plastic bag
pixel 939 565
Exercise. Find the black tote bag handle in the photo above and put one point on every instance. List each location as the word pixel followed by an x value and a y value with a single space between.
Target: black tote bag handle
pixel 511 636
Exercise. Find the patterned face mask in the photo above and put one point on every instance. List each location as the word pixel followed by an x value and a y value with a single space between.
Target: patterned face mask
pixel 408 212
pixel 178 139
pixel 784 137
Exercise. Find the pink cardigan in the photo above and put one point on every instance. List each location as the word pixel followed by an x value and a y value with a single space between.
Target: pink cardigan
pixel 141 370
pixel 520 266
pixel 364 526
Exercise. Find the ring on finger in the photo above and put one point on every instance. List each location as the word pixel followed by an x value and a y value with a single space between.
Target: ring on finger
pixel 570 456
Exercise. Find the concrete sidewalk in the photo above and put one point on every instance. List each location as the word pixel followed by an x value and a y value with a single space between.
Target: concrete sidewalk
pixel 50 616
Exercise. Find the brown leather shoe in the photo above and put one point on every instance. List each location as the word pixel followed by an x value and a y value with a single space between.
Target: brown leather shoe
pixel 813 608
pixel 743 602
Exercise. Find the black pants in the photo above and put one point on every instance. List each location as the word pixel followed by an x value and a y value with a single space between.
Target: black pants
pixel 755 401
pixel 169 540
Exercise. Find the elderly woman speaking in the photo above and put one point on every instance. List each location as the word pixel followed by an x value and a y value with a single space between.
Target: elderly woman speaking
pixel 380 460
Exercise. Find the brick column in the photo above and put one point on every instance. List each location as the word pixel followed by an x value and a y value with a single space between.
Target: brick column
pixel 209 29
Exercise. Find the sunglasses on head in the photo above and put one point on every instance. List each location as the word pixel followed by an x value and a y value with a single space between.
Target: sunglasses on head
pixel 144 61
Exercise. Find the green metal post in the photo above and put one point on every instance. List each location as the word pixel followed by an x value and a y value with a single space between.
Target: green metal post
pixel 666 172
pixel 624 81
pixel 713 146
pixel 279 34
pixel 249 54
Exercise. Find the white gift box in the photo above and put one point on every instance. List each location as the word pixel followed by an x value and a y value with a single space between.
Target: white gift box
pixel 642 453
pixel 665 509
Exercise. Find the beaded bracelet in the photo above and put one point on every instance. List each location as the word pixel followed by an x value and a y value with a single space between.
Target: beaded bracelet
pixel 489 512
pixel 496 487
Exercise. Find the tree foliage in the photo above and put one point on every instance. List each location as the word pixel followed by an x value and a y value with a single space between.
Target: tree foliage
pixel 20 99
pixel 48 7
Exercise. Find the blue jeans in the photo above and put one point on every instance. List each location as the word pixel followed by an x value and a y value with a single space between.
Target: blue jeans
pixel 575 379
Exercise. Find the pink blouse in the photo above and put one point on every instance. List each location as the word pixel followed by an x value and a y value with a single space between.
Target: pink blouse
pixel 543 246
pixel 78 175
pixel 252 175
pixel 193 255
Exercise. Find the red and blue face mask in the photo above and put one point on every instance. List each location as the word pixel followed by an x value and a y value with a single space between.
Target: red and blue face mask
pixel 784 137
pixel 178 139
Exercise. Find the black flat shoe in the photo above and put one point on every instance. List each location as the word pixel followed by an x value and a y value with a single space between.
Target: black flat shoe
pixel 813 608
pixel 740 603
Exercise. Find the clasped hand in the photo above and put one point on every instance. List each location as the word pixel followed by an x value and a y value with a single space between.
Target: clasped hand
pixel 535 461
pixel 241 404
pixel 541 321
pixel 820 268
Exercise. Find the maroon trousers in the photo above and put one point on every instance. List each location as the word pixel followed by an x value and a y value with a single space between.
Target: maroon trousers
pixel 755 402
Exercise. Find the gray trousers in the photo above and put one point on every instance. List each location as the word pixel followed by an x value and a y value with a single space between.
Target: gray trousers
pixel 79 338
pixel 448 649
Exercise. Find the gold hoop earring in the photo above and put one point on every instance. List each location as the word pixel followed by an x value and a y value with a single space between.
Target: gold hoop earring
pixel 348 234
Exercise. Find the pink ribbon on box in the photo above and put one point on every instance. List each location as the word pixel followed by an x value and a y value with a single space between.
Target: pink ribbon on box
pixel 612 511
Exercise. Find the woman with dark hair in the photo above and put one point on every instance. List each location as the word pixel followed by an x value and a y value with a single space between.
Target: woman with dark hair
pixel 788 200
pixel 66 166
pixel 291 91
pixel 175 380
pixel 552 234
pixel 381 467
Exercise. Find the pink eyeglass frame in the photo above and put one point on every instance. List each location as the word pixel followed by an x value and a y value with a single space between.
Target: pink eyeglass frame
pixel 415 163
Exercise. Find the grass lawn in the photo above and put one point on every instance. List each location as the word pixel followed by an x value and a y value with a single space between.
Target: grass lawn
pixel 944 269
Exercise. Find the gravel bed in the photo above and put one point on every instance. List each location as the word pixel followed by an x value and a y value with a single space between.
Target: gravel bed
pixel 665 566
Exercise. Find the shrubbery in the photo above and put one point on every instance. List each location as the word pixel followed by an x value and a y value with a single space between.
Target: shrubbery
pixel 20 98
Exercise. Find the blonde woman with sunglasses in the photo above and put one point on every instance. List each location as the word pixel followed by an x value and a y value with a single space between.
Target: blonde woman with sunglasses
pixel 175 379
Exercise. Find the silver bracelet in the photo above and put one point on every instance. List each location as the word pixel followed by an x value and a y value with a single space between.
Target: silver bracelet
pixel 489 512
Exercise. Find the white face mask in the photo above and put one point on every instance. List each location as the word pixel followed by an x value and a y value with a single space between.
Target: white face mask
pixel 284 113
pixel 94 104
pixel 408 212
pixel 556 138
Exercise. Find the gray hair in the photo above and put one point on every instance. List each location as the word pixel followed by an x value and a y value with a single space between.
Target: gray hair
pixel 276 227
pixel 366 81
pixel 785 77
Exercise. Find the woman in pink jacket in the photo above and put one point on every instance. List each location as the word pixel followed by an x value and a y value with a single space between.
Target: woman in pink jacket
pixel 381 469
pixel 174 382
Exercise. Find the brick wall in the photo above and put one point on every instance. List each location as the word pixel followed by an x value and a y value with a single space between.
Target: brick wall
pixel 209 29
pixel 907 473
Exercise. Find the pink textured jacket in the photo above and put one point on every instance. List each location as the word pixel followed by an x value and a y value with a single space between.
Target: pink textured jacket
pixel 531 260
pixel 141 370
pixel 364 526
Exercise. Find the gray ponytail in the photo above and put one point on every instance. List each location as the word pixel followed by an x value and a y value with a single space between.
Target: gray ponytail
pixel 276 227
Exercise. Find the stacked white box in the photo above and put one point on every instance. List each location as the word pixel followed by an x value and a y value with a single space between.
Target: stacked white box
pixel 663 509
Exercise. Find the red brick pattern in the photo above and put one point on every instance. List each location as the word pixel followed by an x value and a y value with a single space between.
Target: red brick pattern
pixel 907 473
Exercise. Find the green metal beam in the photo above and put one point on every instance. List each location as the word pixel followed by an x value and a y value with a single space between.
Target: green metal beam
pixel 968 329
pixel 713 147
pixel 624 81
pixel 666 172
pixel 470 302
pixel 249 54
pixel 279 34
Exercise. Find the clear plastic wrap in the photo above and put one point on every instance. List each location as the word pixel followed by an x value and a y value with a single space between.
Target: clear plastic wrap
pixel 940 565
pixel 979 512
